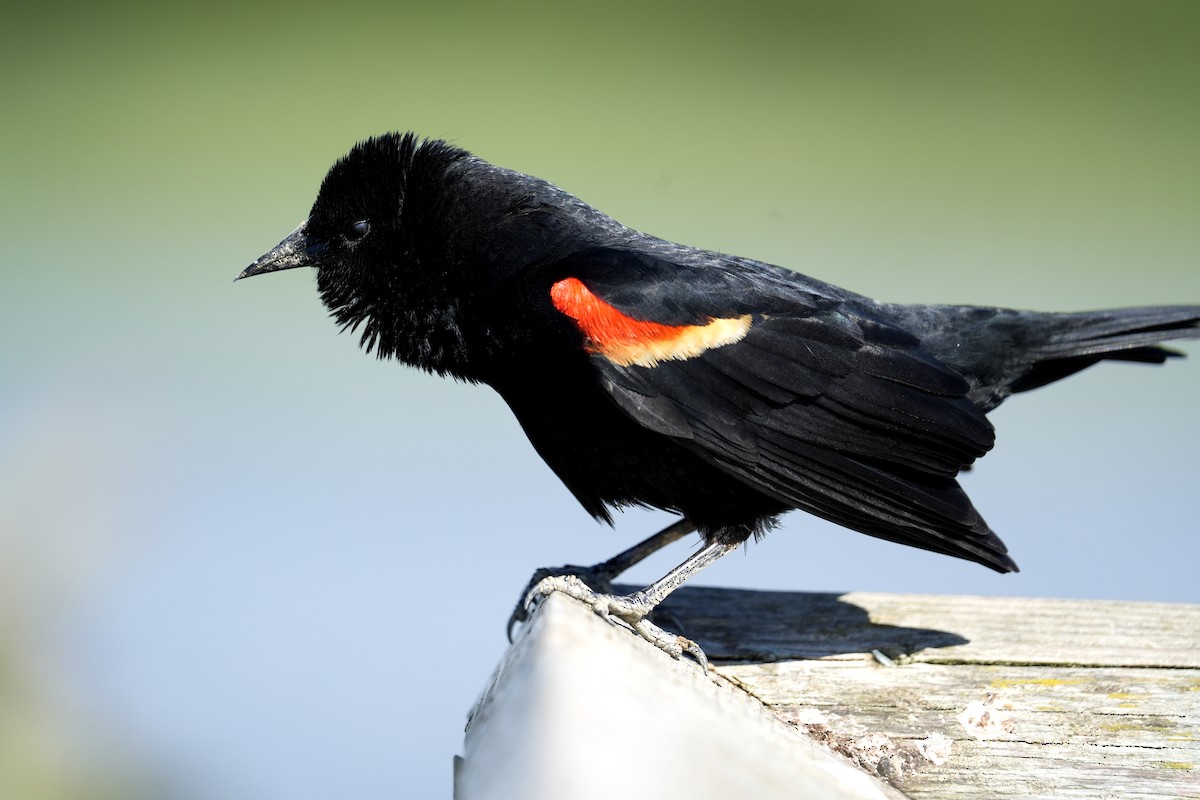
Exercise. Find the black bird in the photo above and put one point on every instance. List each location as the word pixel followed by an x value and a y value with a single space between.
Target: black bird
pixel 649 373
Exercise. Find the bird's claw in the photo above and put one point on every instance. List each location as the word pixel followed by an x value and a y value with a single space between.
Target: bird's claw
pixel 672 644
pixel 625 611
pixel 588 576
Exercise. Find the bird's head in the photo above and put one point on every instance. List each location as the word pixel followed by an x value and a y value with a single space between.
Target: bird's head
pixel 428 249
pixel 375 236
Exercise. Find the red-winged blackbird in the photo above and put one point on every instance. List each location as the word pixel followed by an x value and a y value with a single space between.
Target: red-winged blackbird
pixel 649 373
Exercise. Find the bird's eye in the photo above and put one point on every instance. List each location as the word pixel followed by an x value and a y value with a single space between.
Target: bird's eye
pixel 358 230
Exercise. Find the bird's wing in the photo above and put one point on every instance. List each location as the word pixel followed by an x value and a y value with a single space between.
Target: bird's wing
pixel 805 395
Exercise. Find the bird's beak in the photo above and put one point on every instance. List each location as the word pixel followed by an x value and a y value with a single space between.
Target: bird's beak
pixel 297 250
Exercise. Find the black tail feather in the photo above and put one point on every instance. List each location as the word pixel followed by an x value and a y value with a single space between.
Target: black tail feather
pixel 1076 341
pixel 1119 330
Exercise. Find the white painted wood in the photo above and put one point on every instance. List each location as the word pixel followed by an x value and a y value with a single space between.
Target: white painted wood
pixel 584 710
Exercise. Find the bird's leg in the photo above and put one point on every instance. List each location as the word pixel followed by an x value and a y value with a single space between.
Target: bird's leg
pixel 600 576
pixel 616 565
pixel 632 609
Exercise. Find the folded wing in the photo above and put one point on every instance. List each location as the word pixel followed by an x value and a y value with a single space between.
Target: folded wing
pixel 808 398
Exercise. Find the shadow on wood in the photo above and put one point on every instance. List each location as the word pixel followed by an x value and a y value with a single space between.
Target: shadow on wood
pixel 734 625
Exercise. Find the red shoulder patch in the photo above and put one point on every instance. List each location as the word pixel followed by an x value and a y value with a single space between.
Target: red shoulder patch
pixel 627 341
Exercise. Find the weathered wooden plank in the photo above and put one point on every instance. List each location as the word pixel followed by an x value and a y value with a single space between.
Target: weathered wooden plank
pixel 1047 728
pixel 981 697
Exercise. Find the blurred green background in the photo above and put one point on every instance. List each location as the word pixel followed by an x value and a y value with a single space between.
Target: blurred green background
pixel 224 532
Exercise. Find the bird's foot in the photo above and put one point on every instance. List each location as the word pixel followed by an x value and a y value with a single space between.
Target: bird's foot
pixel 594 577
pixel 628 610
